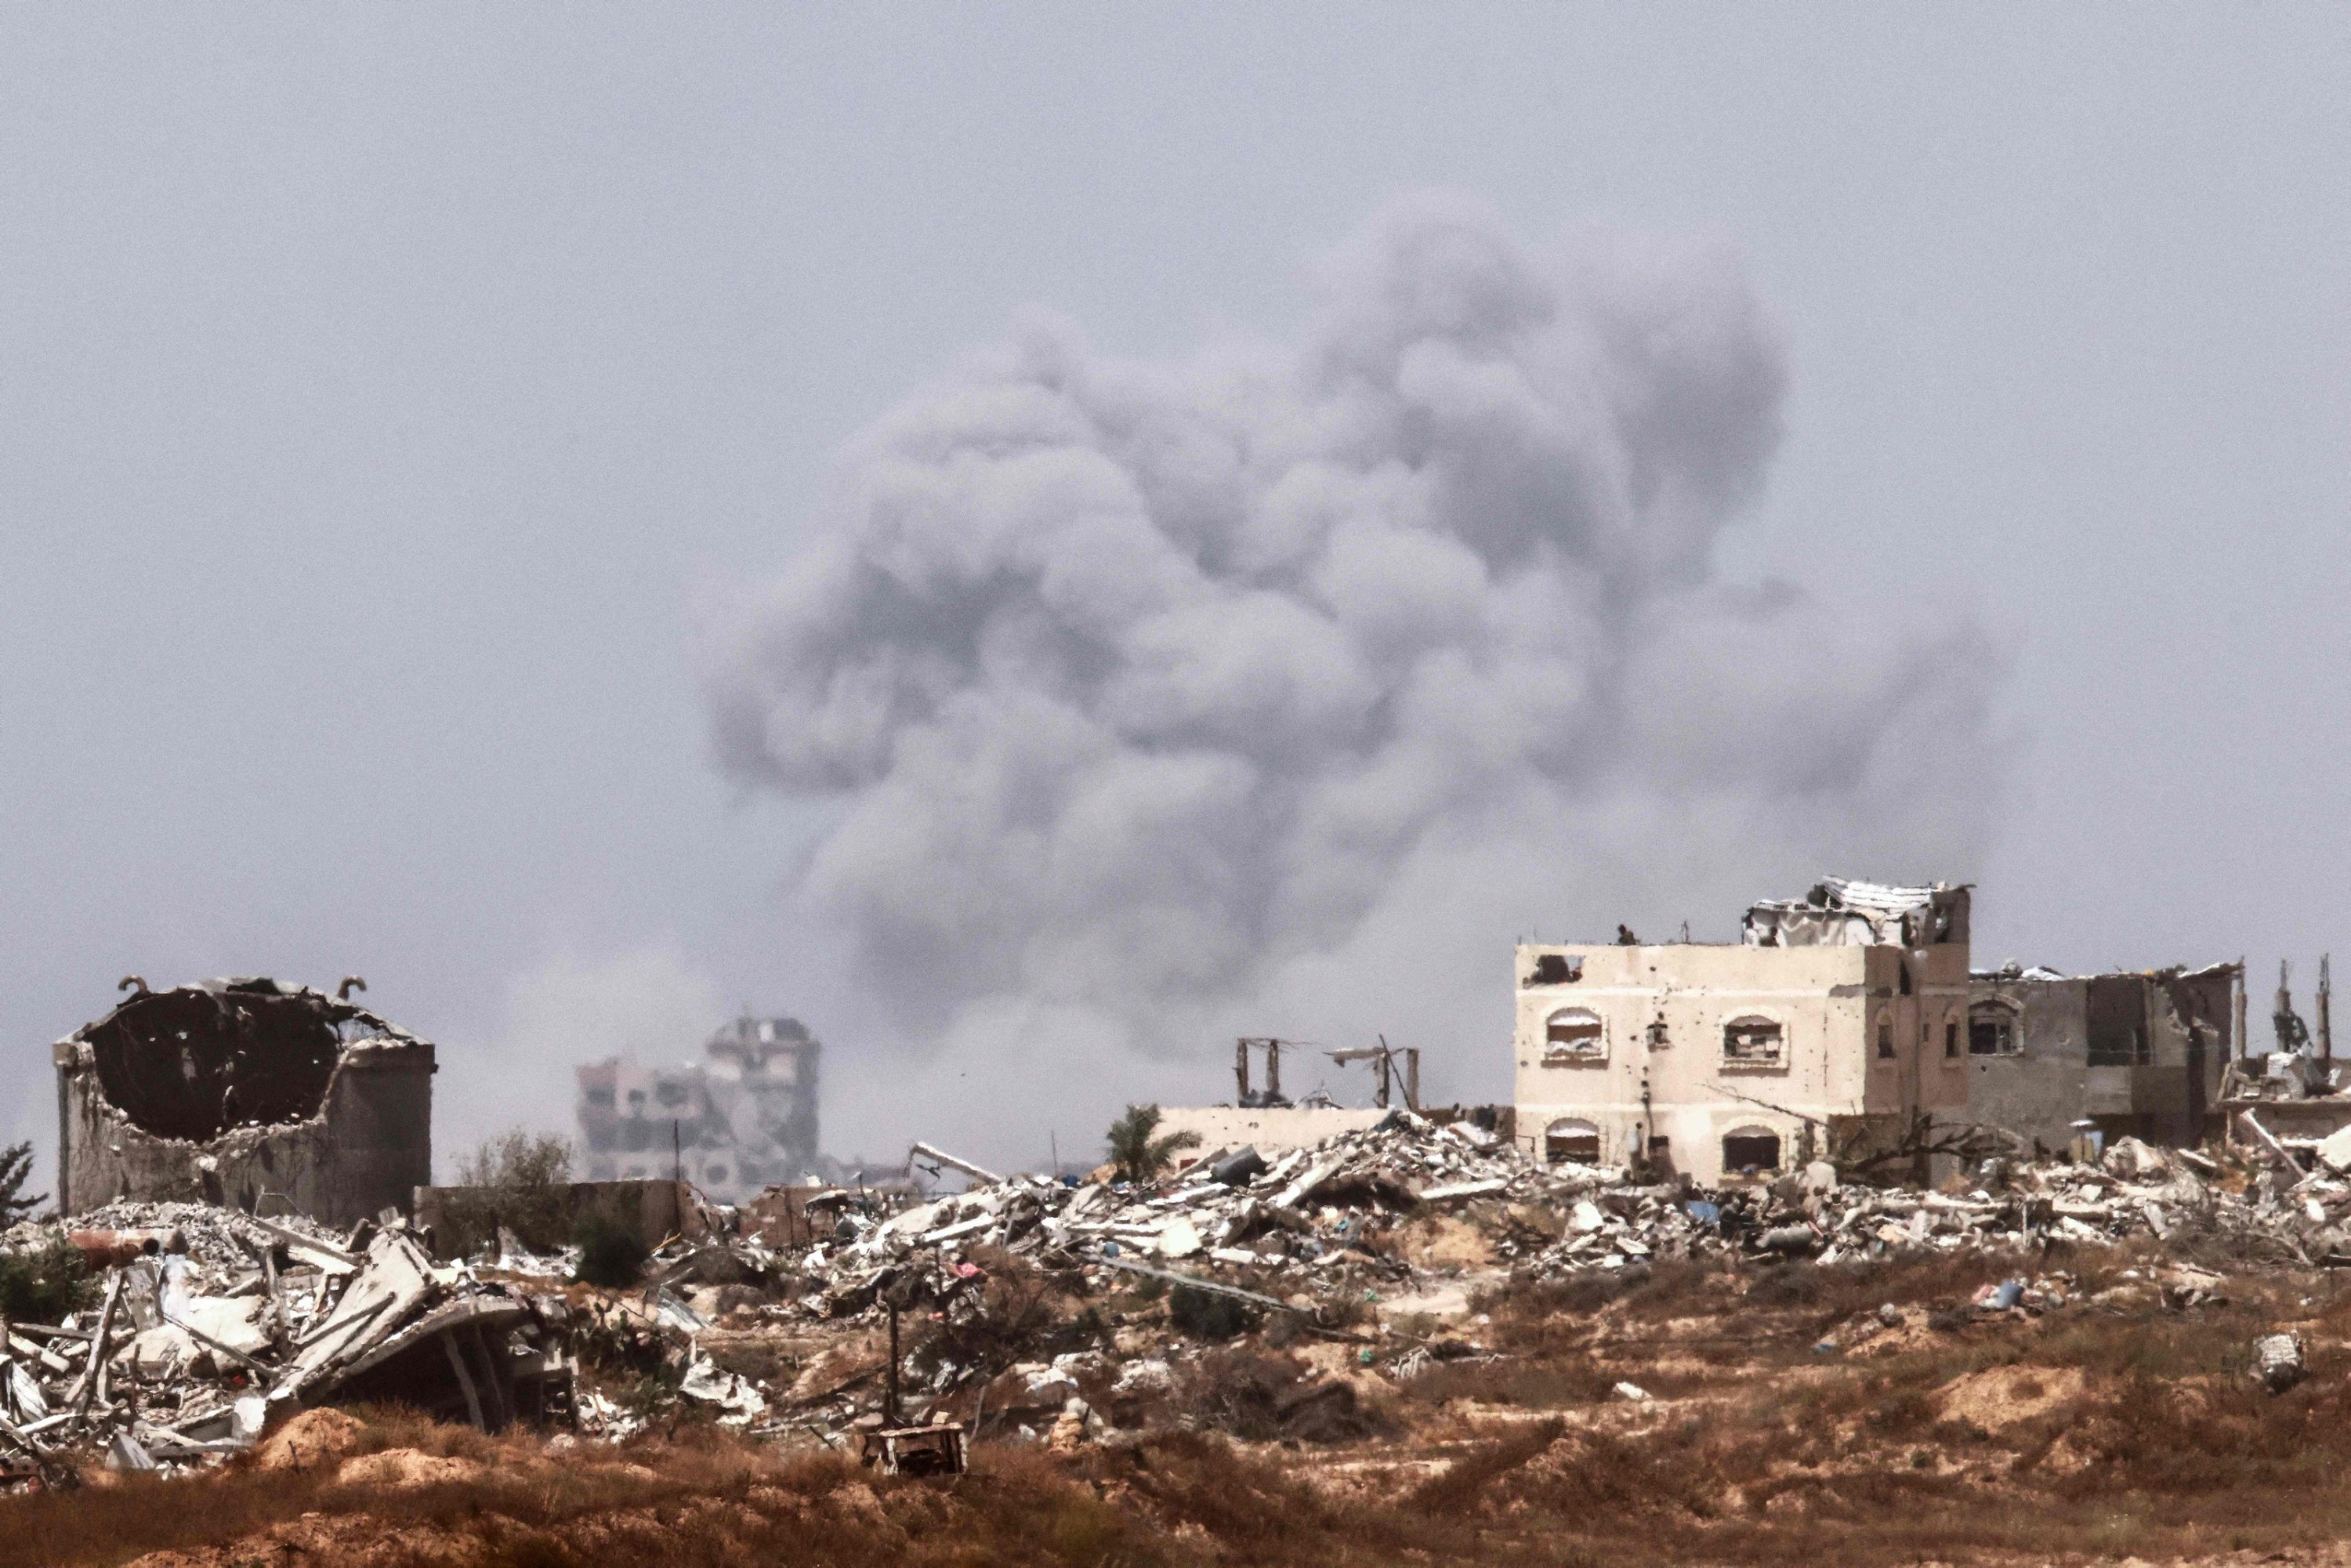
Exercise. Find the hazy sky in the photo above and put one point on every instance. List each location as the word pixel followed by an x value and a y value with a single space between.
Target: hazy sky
pixel 396 397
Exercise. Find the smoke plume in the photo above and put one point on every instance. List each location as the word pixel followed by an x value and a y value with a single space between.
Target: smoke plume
pixel 1176 690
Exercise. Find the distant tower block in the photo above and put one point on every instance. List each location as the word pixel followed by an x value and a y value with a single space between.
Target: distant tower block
pixel 742 1119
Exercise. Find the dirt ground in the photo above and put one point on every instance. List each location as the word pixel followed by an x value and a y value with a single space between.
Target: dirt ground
pixel 1788 1415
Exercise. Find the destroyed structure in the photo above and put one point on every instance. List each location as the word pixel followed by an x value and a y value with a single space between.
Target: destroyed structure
pixel 1831 1028
pixel 249 1093
pixel 1377 1241
pixel 2296 1092
pixel 1261 1116
pixel 741 1120
pixel 1849 1021
pixel 2130 1054
pixel 211 1323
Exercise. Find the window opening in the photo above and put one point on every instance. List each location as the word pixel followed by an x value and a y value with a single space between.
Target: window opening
pixel 1754 1042
pixel 1751 1151
pixel 1572 1141
pixel 2117 1045
pixel 1992 1031
pixel 1573 1034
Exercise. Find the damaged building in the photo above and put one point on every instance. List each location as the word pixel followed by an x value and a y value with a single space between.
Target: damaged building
pixel 247 1093
pixel 2139 1053
pixel 742 1119
pixel 1848 1024
pixel 1832 1027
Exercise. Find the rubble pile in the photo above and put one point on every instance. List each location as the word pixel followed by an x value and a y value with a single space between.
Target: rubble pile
pixel 1312 1221
pixel 209 1323
pixel 1327 1240
pixel 1048 1306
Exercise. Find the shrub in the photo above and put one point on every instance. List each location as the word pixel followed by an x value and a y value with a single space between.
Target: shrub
pixel 42 1287
pixel 15 1165
pixel 611 1254
pixel 1268 1398
pixel 518 1181
pixel 1207 1315
pixel 1139 1156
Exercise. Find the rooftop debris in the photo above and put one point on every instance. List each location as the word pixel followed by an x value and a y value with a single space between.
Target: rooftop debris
pixel 1838 913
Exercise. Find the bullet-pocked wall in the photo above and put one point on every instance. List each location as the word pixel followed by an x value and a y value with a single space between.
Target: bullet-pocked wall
pixel 246 1092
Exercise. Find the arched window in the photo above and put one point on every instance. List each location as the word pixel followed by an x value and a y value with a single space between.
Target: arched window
pixel 1751 1151
pixel 1754 1040
pixel 1992 1031
pixel 1572 1035
pixel 1568 1139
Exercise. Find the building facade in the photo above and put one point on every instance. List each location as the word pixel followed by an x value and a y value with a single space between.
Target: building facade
pixel 2139 1053
pixel 742 1119
pixel 1836 1026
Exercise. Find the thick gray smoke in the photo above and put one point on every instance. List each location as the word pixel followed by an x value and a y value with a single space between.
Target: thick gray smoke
pixel 1160 689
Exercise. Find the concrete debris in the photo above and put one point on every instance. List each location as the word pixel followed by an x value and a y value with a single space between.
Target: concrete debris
pixel 216 1320
pixel 731 1392
pixel 1374 1241
pixel 1309 1226
pixel 2277 1361
pixel 1371 1247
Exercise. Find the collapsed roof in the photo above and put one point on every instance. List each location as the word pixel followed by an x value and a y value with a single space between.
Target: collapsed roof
pixel 1838 913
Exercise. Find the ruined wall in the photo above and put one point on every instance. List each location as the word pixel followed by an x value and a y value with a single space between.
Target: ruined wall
pixel 245 1092
pixel 2038 1091
pixel 1271 1130
pixel 2137 1054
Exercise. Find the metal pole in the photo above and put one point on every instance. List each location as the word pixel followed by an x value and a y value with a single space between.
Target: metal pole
pixel 1273 1068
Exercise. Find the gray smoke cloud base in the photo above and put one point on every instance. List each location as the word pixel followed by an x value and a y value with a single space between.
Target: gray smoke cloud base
pixel 1291 681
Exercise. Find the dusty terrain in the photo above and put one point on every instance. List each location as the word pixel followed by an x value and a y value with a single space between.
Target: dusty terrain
pixel 1865 1412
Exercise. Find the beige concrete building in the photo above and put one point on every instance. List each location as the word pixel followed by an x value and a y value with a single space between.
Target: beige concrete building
pixel 1836 1025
